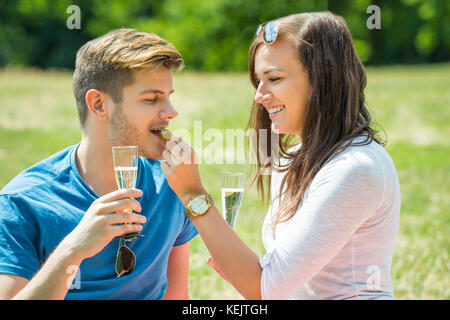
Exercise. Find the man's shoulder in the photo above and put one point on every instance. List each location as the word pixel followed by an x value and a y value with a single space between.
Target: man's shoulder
pixel 43 172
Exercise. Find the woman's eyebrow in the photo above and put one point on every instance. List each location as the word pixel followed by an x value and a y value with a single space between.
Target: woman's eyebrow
pixel 272 69
pixel 269 71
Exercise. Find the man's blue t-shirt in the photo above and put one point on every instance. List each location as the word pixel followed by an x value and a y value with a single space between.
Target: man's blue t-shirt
pixel 43 204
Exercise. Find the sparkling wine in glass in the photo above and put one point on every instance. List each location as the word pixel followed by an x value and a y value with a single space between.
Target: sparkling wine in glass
pixel 125 160
pixel 232 188
pixel 126 177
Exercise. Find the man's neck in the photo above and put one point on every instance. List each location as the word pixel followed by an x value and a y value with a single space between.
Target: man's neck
pixel 95 165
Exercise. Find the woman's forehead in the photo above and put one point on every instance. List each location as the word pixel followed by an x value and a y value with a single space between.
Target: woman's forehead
pixel 280 55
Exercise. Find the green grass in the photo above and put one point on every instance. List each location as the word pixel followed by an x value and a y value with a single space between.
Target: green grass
pixel 411 104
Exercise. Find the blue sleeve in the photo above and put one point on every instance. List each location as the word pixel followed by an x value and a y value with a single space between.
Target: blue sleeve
pixel 18 254
pixel 187 233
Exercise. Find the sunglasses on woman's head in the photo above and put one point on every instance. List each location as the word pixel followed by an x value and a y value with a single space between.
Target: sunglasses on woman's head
pixel 271 30
pixel 125 259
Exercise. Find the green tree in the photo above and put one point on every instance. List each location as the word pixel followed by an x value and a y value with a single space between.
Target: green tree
pixel 215 35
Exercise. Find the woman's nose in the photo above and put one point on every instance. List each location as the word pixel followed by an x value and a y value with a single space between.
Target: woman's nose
pixel 262 96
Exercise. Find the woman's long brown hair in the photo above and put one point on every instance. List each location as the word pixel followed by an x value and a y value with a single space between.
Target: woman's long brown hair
pixel 336 112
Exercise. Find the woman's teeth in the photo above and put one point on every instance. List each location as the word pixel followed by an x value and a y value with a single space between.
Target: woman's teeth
pixel 277 109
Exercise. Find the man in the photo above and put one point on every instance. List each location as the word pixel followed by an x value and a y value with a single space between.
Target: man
pixel 62 219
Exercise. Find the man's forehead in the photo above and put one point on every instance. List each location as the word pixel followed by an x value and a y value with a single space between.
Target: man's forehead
pixel 153 81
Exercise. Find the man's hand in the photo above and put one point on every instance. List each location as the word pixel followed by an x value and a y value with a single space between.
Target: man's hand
pixel 104 221
pixel 99 225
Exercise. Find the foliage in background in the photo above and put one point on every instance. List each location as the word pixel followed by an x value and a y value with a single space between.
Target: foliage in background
pixel 214 35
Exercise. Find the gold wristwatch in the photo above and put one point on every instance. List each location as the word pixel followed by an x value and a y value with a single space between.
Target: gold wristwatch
pixel 198 206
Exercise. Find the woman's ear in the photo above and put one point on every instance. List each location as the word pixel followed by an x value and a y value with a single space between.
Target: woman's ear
pixel 96 102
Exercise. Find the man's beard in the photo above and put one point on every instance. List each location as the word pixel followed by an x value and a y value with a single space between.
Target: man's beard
pixel 123 133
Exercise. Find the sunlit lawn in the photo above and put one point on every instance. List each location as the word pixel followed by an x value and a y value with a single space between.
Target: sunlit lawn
pixel 38 117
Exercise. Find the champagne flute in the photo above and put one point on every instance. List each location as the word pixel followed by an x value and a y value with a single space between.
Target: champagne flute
pixel 125 160
pixel 232 188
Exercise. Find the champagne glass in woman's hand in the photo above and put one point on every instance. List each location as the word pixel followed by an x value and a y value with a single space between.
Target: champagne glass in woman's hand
pixel 232 188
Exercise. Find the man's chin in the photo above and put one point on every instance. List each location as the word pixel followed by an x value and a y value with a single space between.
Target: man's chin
pixel 156 158
pixel 151 155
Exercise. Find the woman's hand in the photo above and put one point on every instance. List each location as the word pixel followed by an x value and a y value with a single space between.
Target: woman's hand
pixel 212 263
pixel 181 169
pixel 238 263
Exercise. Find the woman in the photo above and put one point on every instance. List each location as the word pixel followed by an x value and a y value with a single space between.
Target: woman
pixel 330 230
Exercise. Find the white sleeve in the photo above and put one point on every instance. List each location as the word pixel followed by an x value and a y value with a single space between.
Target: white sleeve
pixel 344 193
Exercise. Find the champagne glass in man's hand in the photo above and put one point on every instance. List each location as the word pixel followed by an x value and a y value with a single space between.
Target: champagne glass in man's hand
pixel 125 160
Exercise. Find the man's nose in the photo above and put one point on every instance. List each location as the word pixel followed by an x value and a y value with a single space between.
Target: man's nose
pixel 169 112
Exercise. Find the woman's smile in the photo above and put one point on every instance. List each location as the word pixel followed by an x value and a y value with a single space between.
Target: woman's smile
pixel 275 111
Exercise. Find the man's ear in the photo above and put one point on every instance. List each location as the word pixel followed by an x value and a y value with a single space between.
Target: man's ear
pixel 96 102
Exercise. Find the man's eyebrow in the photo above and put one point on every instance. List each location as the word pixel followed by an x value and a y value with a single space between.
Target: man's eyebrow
pixel 154 91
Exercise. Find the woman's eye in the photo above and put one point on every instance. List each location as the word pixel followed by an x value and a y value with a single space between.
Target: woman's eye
pixel 274 79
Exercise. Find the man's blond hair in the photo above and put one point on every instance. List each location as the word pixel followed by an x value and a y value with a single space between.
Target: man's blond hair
pixel 107 63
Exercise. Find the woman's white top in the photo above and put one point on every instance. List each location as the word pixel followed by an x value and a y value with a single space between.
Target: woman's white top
pixel 340 242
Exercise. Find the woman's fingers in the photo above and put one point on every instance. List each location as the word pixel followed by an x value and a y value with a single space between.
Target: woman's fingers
pixel 212 263
pixel 167 158
pixel 174 153
pixel 169 136
pixel 177 152
pixel 165 167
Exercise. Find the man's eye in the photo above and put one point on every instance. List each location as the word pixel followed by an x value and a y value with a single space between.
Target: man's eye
pixel 151 101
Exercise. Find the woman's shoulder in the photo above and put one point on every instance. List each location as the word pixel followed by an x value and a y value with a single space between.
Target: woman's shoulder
pixel 362 160
pixel 363 154
pixel 361 164
pixel 360 153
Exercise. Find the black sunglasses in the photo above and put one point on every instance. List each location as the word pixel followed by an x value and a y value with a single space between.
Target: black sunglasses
pixel 271 30
pixel 125 259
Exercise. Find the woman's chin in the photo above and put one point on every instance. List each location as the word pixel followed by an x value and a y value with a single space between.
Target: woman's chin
pixel 278 129
pixel 281 130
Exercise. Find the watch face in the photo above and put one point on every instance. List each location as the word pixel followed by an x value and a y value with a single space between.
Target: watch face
pixel 199 205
